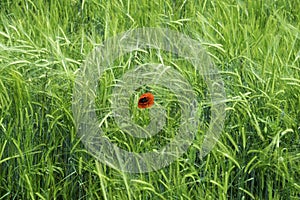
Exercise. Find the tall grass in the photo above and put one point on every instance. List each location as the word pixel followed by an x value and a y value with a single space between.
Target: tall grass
pixel 254 44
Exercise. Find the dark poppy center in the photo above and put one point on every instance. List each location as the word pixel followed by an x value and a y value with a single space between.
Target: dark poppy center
pixel 143 100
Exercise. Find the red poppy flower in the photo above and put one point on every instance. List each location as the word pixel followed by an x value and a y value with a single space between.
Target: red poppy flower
pixel 146 100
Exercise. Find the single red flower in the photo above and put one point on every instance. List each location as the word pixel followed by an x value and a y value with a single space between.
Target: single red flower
pixel 146 100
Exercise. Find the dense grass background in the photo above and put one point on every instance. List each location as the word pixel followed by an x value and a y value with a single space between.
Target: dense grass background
pixel 254 44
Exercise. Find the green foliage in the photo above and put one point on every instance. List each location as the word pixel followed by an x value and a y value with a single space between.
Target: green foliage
pixel 254 44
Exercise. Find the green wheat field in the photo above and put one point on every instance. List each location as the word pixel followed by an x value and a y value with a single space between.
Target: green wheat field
pixel 255 45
